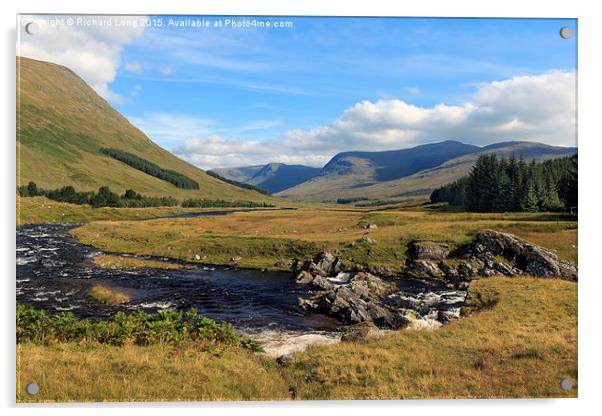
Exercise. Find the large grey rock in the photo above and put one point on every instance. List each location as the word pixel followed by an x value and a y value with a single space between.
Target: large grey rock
pixel 304 277
pixel 526 257
pixel 361 332
pixel 430 250
pixel 360 300
pixel 324 264
pixel 424 269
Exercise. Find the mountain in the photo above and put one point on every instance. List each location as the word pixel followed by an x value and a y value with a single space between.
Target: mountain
pixel 394 164
pixel 239 174
pixel 273 177
pixel 366 174
pixel 62 124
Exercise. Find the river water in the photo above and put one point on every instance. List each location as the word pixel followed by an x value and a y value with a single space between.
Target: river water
pixel 55 273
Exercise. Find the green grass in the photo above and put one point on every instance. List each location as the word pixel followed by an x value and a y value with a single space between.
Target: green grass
pixel 263 238
pixel 41 210
pixel 520 341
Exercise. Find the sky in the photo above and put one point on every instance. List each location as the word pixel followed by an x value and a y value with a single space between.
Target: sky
pixel 233 91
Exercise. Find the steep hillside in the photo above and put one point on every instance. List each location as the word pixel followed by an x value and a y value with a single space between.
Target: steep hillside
pixel 61 126
pixel 358 182
pixel 273 177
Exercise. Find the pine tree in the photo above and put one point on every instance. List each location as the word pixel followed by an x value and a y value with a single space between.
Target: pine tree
pixel 529 200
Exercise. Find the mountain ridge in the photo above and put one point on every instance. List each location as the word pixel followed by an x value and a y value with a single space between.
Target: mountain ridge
pixel 409 172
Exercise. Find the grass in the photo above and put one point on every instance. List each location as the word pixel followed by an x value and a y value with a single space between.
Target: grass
pixel 108 296
pixel 41 210
pixel 520 342
pixel 263 238
pixel 123 262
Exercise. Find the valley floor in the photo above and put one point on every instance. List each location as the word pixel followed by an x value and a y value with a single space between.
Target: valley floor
pixel 261 239
pixel 521 343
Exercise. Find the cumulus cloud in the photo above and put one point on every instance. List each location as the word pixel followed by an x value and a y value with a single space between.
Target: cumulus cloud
pixel 530 108
pixel 93 51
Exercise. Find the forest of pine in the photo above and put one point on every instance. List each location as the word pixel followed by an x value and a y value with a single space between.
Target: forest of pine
pixel 513 185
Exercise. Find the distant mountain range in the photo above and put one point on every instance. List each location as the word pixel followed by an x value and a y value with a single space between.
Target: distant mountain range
pixel 273 177
pixel 392 174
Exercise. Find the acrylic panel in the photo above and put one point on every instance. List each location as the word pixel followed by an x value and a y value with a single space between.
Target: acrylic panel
pixel 295 208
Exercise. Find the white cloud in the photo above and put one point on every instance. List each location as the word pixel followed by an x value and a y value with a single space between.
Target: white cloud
pixel 91 51
pixel 530 108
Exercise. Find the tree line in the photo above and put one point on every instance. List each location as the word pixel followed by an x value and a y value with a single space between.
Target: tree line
pixel 104 197
pixel 237 183
pixel 168 175
pixel 511 184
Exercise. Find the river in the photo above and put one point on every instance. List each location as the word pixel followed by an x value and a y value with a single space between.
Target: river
pixel 55 273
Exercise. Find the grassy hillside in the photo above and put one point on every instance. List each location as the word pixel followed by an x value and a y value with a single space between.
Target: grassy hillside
pixel 361 181
pixel 61 126
pixel 521 343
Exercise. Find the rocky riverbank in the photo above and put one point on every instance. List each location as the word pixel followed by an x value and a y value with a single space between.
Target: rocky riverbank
pixel 356 294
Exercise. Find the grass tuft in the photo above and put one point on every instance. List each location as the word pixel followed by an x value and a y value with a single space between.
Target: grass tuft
pixel 108 296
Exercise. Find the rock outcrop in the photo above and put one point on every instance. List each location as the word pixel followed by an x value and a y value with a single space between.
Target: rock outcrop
pixel 356 294
pixel 361 332
pixel 430 250
pixel 527 257
pixel 490 253
pixel 360 299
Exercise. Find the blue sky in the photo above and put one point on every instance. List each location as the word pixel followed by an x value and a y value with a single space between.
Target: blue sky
pixel 221 96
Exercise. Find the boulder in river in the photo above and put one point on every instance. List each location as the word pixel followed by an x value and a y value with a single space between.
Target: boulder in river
pixel 359 300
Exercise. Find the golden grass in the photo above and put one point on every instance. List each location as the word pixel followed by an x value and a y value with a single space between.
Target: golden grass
pixel 72 373
pixel 108 296
pixel 262 238
pixel 521 345
pixel 123 262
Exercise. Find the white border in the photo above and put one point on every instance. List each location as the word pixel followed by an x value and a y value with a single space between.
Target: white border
pixel 590 118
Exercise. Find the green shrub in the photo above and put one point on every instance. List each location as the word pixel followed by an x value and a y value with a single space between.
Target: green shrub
pixel 138 328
